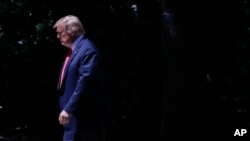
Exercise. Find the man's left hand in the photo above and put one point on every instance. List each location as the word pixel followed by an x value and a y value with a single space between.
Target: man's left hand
pixel 64 117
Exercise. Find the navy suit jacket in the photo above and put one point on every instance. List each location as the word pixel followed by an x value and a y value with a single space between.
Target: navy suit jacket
pixel 82 89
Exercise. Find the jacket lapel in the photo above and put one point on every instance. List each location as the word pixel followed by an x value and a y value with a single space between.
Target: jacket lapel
pixel 73 55
pixel 70 60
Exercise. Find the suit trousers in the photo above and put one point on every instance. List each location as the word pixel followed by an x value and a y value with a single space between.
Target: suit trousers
pixel 94 135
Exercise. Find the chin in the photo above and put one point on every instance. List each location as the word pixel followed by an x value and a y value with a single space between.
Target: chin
pixel 63 44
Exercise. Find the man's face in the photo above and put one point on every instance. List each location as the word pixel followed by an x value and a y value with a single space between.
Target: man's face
pixel 64 38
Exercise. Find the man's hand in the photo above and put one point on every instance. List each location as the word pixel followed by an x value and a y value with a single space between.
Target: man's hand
pixel 64 117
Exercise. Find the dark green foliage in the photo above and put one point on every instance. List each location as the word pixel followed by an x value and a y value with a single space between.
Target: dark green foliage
pixel 239 82
pixel 145 71
pixel 31 58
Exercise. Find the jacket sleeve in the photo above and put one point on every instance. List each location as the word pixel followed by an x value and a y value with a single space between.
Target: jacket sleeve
pixel 86 72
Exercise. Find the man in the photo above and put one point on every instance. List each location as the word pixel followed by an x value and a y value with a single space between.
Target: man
pixel 82 101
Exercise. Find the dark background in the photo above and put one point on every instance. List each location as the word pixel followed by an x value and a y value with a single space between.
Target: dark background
pixel 174 69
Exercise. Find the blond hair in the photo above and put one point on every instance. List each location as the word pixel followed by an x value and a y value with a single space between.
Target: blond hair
pixel 71 24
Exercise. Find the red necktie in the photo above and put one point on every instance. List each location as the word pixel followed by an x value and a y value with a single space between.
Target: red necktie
pixel 64 66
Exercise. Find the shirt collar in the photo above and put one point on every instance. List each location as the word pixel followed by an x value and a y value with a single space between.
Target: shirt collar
pixel 76 42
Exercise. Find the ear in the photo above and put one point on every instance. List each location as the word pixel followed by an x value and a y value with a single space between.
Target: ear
pixel 73 35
